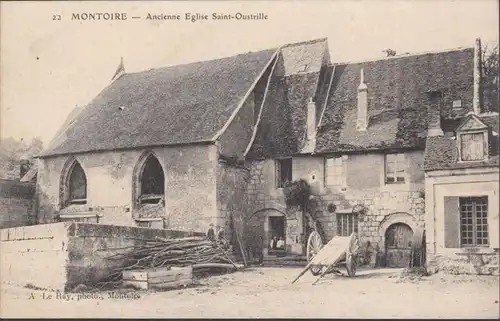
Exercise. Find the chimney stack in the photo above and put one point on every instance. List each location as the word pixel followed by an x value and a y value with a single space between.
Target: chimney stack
pixel 477 101
pixel 434 115
pixel 311 119
pixel 362 121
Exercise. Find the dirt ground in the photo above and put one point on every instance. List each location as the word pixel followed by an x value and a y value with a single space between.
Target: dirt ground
pixel 267 292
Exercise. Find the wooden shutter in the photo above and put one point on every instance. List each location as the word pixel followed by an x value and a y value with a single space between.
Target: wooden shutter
pixel 472 146
pixel 451 222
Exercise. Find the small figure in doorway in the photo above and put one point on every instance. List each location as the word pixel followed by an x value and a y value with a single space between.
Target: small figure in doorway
pixel 274 243
pixel 281 243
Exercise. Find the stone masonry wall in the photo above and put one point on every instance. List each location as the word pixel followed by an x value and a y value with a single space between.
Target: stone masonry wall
pixel 384 204
pixel 68 254
pixel 190 186
pixel 232 182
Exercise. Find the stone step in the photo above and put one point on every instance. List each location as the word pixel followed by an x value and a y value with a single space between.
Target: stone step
pixel 298 261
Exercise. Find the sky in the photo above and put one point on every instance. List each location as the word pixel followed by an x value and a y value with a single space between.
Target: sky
pixel 48 67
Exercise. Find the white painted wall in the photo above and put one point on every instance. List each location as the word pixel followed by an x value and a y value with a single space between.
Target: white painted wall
pixel 460 183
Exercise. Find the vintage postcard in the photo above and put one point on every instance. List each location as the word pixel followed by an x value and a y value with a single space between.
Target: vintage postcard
pixel 249 159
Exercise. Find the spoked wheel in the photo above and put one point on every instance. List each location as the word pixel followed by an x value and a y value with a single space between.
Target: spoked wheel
pixel 350 265
pixel 314 245
pixel 351 252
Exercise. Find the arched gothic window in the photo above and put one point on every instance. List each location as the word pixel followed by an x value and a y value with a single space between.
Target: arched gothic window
pixel 77 185
pixel 152 181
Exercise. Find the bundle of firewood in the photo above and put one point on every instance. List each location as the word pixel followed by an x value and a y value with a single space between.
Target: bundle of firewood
pixel 178 252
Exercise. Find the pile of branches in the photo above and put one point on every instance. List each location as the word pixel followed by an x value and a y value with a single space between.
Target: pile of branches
pixel 163 252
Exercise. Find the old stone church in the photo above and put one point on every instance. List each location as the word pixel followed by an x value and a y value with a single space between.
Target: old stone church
pixel 215 141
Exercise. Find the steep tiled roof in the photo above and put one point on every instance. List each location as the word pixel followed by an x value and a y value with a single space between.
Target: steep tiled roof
pixel 282 128
pixel 492 122
pixel 174 105
pixel 398 98
pixel 441 152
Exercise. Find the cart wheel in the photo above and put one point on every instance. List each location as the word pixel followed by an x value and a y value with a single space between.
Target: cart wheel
pixel 314 245
pixel 351 253
pixel 350 265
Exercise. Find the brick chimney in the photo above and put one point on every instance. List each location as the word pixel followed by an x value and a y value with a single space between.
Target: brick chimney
pixel 477 101
pixel 362 121
pixel 311 119
pixel 434 115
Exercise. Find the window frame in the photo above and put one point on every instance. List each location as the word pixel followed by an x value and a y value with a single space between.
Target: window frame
pixel 396 167
pixel 68 186
pixel 456 104
pixel 150 198
pixel 278 170
pixel 352 221
pixel 474 200
pixel 340 177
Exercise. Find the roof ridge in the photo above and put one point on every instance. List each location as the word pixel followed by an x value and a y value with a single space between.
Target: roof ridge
pixel 200 61
pixel 305 42
pixel 488 114
pixel 406 55
pixel 234 55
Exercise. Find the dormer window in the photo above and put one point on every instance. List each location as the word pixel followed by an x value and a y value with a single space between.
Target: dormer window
pixel 472 140
pixel 472 146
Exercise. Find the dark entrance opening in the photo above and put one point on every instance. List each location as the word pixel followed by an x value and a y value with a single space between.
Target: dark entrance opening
pixel 277 235
pixel 398 245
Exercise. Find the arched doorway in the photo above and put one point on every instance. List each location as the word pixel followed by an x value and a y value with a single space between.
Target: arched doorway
pixel 259 231
pixel 398 238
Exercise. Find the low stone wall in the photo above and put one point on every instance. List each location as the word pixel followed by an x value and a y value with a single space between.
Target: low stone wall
pixel 62 255
pixel 477 264
pixel 35 255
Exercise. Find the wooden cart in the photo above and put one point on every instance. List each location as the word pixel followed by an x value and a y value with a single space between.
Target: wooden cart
pixel 338 252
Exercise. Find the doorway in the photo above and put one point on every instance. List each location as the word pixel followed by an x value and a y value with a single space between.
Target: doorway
pixel 398 245
pixel 276 227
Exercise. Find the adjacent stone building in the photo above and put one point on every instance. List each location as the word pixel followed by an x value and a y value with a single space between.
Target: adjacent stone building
pixel 356 132
pixel 216 142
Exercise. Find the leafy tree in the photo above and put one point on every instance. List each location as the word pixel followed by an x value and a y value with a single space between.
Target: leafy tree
pixel 14 152
pixel 490 78
pixel 297 193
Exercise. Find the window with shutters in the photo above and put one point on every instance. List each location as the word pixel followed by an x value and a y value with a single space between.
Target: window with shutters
pixel 334 174
pixel 346 224
pixel 395 168
pixel 283 171
pixel 473 221
pixel 472 146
